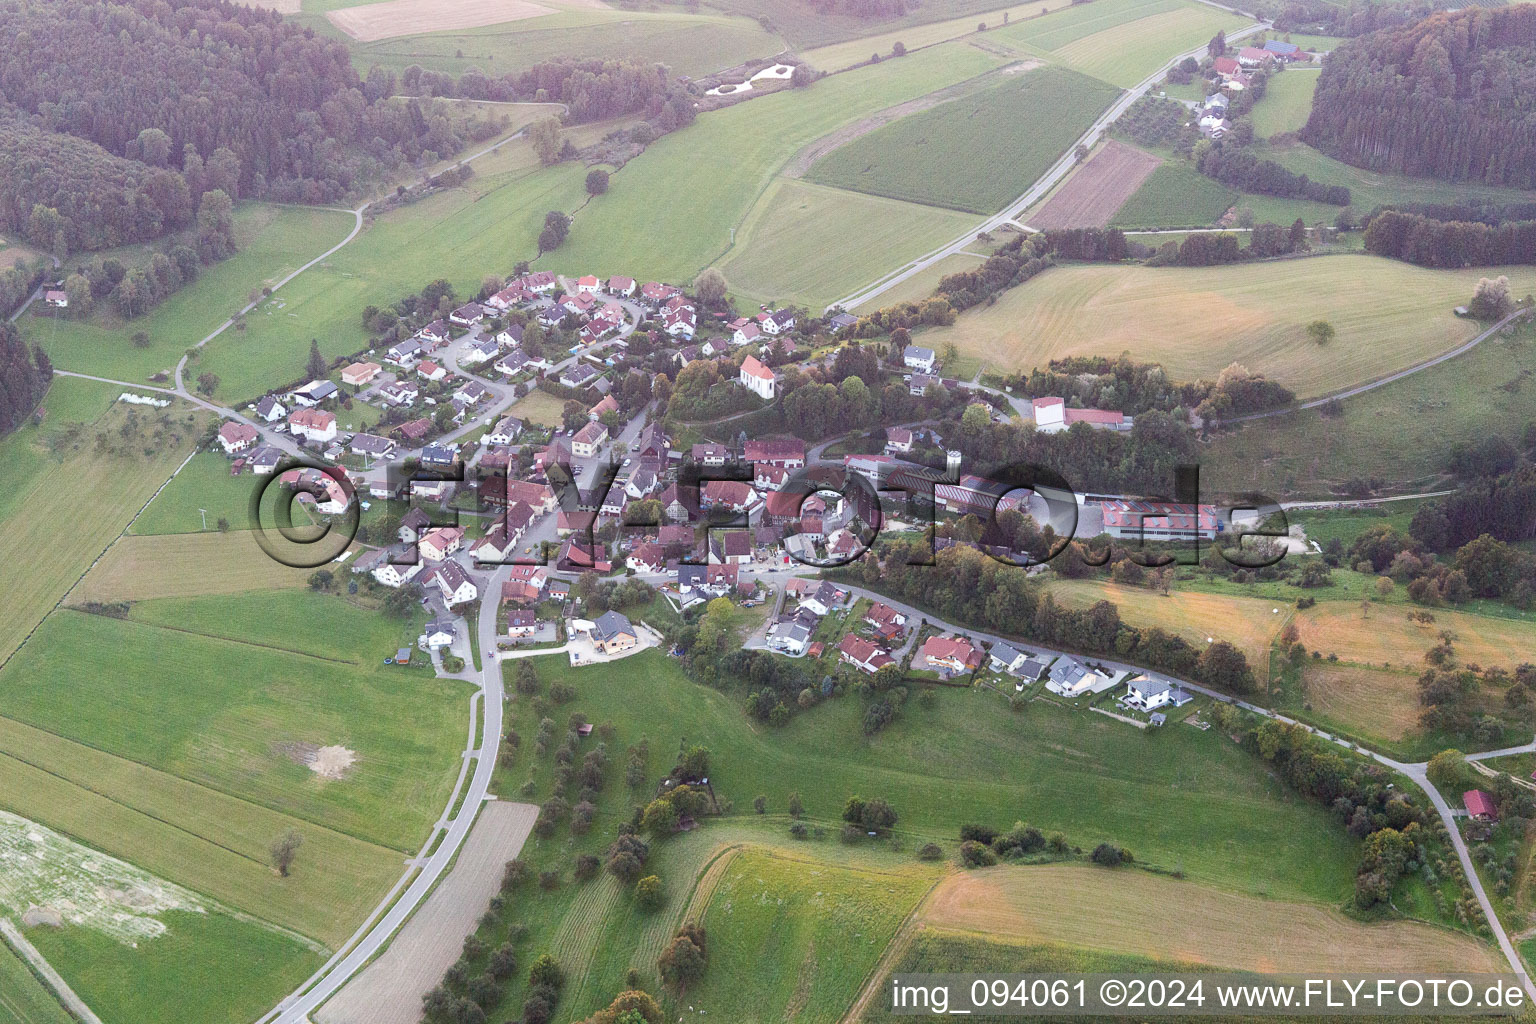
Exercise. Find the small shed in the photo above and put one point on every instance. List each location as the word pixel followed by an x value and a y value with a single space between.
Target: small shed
pixel 403 656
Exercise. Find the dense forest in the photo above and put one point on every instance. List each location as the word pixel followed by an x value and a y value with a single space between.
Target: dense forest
pixel 1451 97
pixel 22 379
pixel 144 105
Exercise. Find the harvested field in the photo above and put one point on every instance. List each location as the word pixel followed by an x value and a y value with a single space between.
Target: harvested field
pixel 1371 700
pixel 1335 627
pixel 1170 919
pixel 1097 191
pixel 184 565
pixel 802 161
pixel 369 22
pixel 389 991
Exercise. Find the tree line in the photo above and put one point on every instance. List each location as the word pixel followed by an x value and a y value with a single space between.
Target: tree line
pixel 1447 97
pixel 1238 167
pixel 1430 242
pixel 1122 384
pixel 24 377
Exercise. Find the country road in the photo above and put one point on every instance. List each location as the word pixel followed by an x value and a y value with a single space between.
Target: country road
pixel 1044 184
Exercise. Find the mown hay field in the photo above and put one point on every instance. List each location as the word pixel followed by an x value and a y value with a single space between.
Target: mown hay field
pixel 186 565
pixel 776 251
pixel 1195 321
pixel 1176 195
pixel 843 55
pixel 1009 135
pixel 1374 701
pixel 372 21
pixel 1287 102
pixel 1125 54
pixel 1167 918
pixel 1248 623
pixel 1389 636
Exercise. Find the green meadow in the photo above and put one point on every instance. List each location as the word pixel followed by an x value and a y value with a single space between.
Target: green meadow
pixel 274 241
pixel 1175 195
pixel 24 999
pixel 975 153
pixel 1287 102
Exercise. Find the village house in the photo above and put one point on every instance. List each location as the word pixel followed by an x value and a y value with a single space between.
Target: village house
pixel 789 637
pixel 525 584
pixel 768 477
pixel 263 461
pixel 359 374
pixel 396 570
pixel 887 622
pixel 732 547
pixel 405 354
pixel 862 654
pixel 521 622
pixel 437 544
pixel 728 495
pixel 312 424
pixel 619 285
pixel 898 439
pixel 439 633
pixel 710 454
pixel 471 393
pixel 612 633
pixel 479 350
pixel 505 431
pixel 776 322
pixel 400 392
pixel 313 393
pixel 824 598
pixel 649 557
pixel 915 357
pixel 1480 806
pixel 270 410
pixel 513 363
pixel 430 371
pixel 950 654
pixel 414 430
pixel 1148 694
pixel 919 383
pixel 413 524
pixel 757 378
pixel 454 583
pixel 588 440
pixel 745 332
pixel 603 408
pixel 578 375
pixel 497 544
pixel 236 437
pixel 788 453
pixel 468 314
pixel 373 446
pixel 435 333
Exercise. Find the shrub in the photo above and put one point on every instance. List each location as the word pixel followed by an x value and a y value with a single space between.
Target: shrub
pixel 587 866
pixel 930 851
pixel 974 855
pixel 649 894
pixel 1109 855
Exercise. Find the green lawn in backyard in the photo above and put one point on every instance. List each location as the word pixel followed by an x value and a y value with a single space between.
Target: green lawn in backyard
pixel 1287 102
pixel 24 999
pixel 224 691
pixel 1010 132
pixel 274 241
pixel 1176 195
pixel 1399 434
pixel 694 44
pixel 722 164
pixel 777 255
pixel 205 969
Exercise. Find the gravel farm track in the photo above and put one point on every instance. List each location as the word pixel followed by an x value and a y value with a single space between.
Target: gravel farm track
pixel 1099 188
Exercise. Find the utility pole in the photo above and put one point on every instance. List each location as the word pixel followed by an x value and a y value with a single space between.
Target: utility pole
pixel 204 513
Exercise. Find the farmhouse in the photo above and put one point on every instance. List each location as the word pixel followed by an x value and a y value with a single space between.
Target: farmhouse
pixel 236 437
pixel 1252 57
pixel 862 654
pixel 612 632
pixel 359 374
pixel 1052 416
pixel 731 495
pixel 757 378
pixel 1480 806
pixel 788 453
pixel 915 357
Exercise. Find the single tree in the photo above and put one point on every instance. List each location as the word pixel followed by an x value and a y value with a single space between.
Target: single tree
pixel 597 181
pixel 545 136
pixel 284 849
pixel 1321 331
pixel 710 286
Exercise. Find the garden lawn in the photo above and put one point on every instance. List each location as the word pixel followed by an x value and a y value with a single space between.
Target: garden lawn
pixel 24 999
pixel 790 247
pixel 1196 321
pixel 1009 134
pixel 273 240
pixel 1399 433
pixel 205 969
pixel 225 691
pixel 1287 102
pixel 1175 196
pixel 816 925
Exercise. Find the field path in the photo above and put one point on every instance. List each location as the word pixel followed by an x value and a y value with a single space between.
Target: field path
pixel 389 990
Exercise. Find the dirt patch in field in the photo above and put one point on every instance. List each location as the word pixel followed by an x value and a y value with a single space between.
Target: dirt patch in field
pixel 331 762
pixel 370 22
pixel 1149 915
pixel 389 991
pixel 42 916
pixel 1099 188
pixel 803 160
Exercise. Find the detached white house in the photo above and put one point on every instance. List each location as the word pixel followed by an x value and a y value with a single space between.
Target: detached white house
pixel 915 357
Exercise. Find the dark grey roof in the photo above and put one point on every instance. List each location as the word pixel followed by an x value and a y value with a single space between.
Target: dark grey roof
pixel 610 624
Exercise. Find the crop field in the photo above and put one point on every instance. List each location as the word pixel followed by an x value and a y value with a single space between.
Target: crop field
pixel 1011 133
pixel 1176 195
pixel 371 21
pixel 1287 102
pixel 1083 20
pixel 838 56
pixel 1083 906
pixel 183 565
pixel 1249 624
pixel 273 240
pixel 206 969
pixel 1388 315
pixel 1091 197
pixel 100 493
pixel 806 26
pixel 694 44
pixel 1372 701
pixel 1388 636
pixel 1400 432
pixel 777 252
pixel 24 999
pixel 208 690
pixel 821 924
